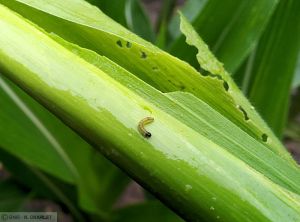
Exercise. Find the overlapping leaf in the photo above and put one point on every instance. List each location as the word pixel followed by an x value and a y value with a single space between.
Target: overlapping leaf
pixel 37 137
pixel 230 28
pixel 268 75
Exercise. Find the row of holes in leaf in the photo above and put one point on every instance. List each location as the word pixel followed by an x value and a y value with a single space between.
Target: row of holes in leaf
pixel 219 77
pixel 264 136
pixel 142 56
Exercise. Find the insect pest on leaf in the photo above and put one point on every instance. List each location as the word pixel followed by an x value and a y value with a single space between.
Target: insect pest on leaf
pixel 141 126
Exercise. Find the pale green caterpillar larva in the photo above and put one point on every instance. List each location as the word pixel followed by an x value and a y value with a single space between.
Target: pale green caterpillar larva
pixel 142 124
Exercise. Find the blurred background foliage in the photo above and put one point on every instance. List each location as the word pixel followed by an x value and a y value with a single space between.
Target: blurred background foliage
pixel 258 41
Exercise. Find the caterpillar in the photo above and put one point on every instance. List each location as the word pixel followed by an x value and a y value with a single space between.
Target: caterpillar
pixel 141 126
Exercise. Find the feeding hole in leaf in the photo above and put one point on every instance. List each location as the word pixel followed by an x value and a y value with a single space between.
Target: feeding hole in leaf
pixel 182 87
pixel 177 84
pixel 128 44
pixel 203 72
pixel 219 77
pixel 264 137
pixel 143 55
pixel 226 86
pixel 119 43
pixel 244 112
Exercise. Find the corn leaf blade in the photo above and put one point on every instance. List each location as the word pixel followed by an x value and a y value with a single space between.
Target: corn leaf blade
pixel 237 26
pixel 269 76
pixel 37 137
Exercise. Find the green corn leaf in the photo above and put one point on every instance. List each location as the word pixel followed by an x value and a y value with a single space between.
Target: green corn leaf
pixel 191 9
pixel 54 148
pixel 165 14
pixel 271 68
pixel 162 36
pixel 233 34
pixel 129 13
pixel 212 68
pixel 24 129
pixel 106 110
pixel 96 31
pixel 114 8
pixel 138 20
